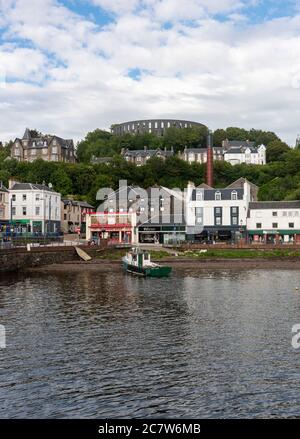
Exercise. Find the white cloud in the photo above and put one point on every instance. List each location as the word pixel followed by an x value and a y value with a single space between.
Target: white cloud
pixel 70 75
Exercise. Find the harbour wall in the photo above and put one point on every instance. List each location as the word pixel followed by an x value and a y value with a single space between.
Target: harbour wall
pixel 19 259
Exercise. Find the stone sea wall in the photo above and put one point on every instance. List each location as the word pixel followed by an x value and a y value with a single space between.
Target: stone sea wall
pixel 21 259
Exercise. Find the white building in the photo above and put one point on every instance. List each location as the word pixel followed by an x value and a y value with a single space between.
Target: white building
pixel 34 208
pixel 234 152
pixel 218 214
pixel 238 152
pixel 271 221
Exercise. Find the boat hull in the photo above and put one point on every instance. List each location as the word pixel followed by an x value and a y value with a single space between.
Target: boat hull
pixel 159 271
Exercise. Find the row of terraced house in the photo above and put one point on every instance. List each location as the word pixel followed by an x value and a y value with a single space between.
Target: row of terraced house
pixel 201 214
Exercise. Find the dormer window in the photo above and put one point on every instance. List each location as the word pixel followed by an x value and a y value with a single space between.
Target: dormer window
pixel 218 196
pixel 199 195
pixel 234 195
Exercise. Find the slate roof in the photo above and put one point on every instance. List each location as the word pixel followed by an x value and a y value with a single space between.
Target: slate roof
pixel 203 150
pixel 261 205
pixel 209 194
pixel 3 188
pixel 67 202
pixel 39 141
pixel 31 186
pixel 239 143
pixel 239 183
pixel 241 150
pixel 148 152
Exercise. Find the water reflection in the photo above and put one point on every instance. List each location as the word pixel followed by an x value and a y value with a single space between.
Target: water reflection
pixel 211 344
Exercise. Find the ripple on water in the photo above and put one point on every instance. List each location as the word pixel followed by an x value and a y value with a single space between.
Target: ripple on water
pixel 215 344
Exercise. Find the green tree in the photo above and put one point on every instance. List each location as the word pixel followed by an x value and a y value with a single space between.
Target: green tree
pixel 275 150
pixel 95 143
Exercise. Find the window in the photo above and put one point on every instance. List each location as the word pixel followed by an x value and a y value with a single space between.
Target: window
pixel 24 209
pixel 291 225
pixel 24 197
pixel 65 216
pixel 258 225
pixel 234 214
pixel 218 216
pixel 284 213
pixel 274 225
pixel 199 194
pixel 218 196
pixel 54 149
pixel 13 211
pixel 33 151
pixel 14 197
pixel 274 214
pixel 37 210
pixel 234 195
pixel 37 197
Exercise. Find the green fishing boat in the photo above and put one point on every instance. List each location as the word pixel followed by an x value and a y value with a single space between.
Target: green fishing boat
pixel 138 262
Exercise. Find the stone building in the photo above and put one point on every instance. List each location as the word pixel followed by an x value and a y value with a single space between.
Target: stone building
pixel 47 147
pixel 139 157
pixel 155 126
pixel 199 155
pixel 73 215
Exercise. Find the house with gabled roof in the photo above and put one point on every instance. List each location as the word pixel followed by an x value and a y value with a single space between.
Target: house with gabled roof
pixel 140 156
pixel 33 146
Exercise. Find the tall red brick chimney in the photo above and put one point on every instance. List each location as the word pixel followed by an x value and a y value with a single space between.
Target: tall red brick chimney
pixel 210 160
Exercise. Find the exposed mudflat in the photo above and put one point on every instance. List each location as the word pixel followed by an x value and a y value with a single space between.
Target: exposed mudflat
pixel 100 265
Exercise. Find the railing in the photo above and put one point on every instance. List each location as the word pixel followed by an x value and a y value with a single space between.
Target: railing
pixel 21 240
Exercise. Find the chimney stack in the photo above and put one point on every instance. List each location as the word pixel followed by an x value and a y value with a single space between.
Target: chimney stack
pixel 210 163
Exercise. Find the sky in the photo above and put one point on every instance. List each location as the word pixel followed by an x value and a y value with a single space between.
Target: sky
pixel 70 66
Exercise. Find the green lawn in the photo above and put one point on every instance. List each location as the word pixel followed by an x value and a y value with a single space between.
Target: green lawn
pixel 240 253
pixel 117 254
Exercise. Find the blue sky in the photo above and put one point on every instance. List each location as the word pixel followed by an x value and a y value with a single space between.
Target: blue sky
pixel 70 66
